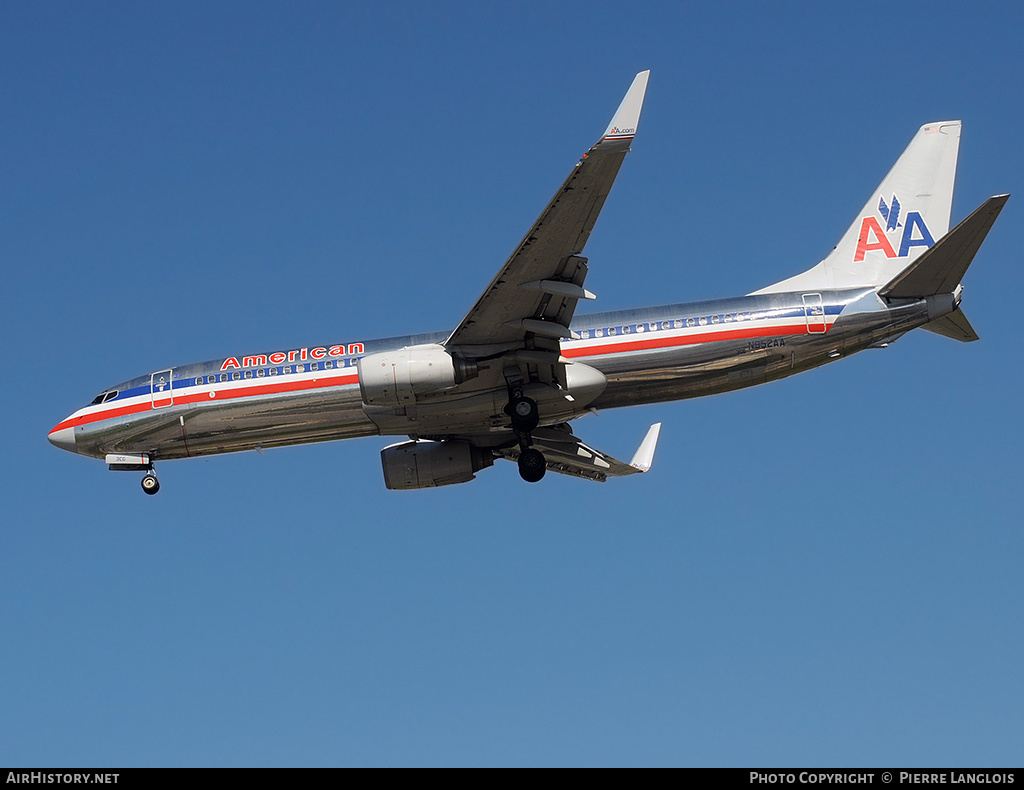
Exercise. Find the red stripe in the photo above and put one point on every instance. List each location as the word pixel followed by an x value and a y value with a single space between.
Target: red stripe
pixel 204 397
pixel 685 340
pixel 618 346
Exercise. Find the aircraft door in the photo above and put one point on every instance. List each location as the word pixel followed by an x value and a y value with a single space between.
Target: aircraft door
pixel 160 387
pixel 814 314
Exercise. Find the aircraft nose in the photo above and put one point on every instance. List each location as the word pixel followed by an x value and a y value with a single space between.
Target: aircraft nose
pixel 64 438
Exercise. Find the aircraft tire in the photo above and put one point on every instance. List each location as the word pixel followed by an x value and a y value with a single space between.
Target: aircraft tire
pixel 532 465
pixel 524 413
pixel 150 484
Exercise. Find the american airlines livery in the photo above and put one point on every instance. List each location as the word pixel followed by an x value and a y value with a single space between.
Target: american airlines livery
pixel 507 382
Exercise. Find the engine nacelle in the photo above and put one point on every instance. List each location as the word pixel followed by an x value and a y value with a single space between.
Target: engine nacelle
pixel 398 378
pixel 430 464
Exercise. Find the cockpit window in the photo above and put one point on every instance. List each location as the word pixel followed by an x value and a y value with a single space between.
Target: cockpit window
pixel 103 397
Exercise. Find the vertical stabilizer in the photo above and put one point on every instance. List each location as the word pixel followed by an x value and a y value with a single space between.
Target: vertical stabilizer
pixel 903 217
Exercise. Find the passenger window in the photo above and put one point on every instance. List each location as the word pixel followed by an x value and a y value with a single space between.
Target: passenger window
pixel 273 371
pixel 585 334
pixel 703 321
pixel 261 373
pixel 248 374
pixel 598 333
pixel 715 319
pixel 611 331
pixel 314 365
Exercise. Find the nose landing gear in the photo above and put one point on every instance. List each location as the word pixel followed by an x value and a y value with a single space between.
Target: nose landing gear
pixel 135 462
pixel 150 484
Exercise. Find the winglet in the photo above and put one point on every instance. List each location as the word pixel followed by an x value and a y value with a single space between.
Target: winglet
pixel 645 454
pixel 627 117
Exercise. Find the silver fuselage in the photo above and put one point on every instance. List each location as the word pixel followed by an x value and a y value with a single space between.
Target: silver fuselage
pixel 648 355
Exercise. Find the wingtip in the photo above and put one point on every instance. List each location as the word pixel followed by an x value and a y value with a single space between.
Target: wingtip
pixel 644 456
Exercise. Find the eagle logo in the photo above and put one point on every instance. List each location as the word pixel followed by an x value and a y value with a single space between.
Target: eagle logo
pixel 890 213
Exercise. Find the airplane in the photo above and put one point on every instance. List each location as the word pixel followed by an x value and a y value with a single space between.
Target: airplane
pixel 507 381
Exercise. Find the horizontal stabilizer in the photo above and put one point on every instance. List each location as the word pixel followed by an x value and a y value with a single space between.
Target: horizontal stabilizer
pixel 954 325
pixel 942 267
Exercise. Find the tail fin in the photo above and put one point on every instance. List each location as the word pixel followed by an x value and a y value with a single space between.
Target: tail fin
pixel 904 216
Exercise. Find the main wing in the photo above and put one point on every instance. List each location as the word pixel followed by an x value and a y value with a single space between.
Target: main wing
pixel 530 302
pixel 566 454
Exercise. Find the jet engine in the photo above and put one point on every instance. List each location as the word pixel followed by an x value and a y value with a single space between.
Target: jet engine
pixel 430 464
pixel 398 378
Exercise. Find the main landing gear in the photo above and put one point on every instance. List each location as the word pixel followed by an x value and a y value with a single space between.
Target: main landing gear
pixel 150 484
pixel 532 465
pixel 525 416
pixel 524 413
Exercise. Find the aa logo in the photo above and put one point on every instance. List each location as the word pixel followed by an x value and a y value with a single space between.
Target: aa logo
pixel 873 237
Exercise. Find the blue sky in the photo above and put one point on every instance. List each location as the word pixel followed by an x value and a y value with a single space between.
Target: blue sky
pixel 821 571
